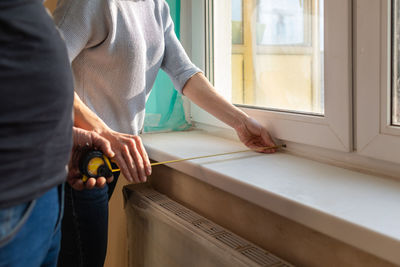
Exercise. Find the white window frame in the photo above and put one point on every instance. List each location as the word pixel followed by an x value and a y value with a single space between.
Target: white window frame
pixel 376 137
pixel 333 130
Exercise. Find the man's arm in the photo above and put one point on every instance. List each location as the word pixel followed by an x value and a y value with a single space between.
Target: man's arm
pixel 250 132
pixel 130 153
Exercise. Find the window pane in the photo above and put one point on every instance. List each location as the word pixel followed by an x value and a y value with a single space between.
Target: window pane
pixel 279 64
pixel 396 65
pixel 280 22
pixel 237 22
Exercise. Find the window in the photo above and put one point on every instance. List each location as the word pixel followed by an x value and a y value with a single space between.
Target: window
pixel 277 62
pixel 287 63
pixel 377 79
pixel 353 48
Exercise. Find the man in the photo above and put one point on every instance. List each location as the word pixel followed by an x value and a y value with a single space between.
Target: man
pixel 35 134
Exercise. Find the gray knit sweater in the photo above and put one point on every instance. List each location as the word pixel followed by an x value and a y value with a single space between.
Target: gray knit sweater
pixel 116 48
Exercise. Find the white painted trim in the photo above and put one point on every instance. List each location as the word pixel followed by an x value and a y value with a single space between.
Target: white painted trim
pixel 198 32
pixel 376 138
pixel 348 160
pixel 186 41
pixel 332 131
pixel 385 67
pixel 223 48
pixel 186 27
pixel 300 129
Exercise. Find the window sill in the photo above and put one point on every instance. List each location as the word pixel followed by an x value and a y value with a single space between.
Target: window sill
pixel 359 209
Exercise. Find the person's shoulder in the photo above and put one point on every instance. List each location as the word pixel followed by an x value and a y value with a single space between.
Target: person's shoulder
pixel 160 4
pixel 163 8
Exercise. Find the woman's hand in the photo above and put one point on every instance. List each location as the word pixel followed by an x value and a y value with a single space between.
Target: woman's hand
pixel 250 132
pixel 130 155
pixel 254 136
pixel 82 140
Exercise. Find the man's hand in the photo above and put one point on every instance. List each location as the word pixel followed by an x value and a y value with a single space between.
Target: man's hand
pixel 130 155
pixel 82 140
pixel 255 136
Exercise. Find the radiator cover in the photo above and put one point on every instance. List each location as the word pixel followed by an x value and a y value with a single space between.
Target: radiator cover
pixel 161 232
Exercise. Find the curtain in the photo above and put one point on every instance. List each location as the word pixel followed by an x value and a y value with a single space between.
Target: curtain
pixel 164 108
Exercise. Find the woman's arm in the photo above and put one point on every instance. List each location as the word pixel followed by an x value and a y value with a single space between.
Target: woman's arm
pixel 250 132
pixel 130 153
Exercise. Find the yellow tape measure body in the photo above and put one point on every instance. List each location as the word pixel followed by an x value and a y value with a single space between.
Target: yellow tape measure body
pixel 94 163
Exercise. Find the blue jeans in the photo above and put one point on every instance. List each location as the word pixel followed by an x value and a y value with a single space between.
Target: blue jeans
pixel 85 226
pixel 30 232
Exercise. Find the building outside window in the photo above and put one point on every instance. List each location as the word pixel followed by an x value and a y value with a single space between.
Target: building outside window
pixel 277 62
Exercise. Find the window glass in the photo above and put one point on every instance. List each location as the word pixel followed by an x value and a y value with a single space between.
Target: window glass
pixel 280 22
pixel 278 63
pixel 237 22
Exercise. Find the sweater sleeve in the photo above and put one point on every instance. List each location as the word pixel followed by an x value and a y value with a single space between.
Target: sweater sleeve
pixel 83 23
pixel 175 63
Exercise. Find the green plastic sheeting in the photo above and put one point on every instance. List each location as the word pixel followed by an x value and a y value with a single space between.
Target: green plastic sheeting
pixel 164 108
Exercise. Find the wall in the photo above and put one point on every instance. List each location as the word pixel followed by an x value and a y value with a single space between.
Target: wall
pixel 287 239
pixel 117 250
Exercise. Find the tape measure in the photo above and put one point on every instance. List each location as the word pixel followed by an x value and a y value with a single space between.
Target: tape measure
pixel 94 163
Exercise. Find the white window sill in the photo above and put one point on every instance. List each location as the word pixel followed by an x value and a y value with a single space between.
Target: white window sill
pixel 359 209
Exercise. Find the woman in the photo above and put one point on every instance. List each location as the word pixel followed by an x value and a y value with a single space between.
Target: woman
pixel 116 49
